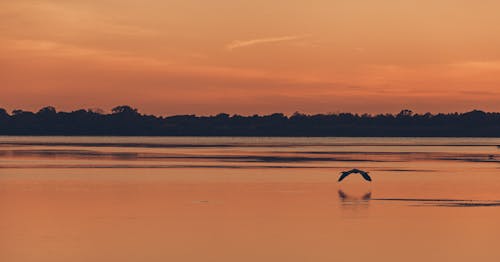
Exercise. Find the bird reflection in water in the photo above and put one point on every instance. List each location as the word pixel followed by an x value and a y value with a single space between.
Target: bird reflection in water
pixel 345 197
pixel 353 201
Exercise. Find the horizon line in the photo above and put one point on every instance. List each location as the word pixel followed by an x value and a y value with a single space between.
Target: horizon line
pixel 338 112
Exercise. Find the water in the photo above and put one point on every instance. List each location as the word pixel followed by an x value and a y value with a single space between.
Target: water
pixel 248 199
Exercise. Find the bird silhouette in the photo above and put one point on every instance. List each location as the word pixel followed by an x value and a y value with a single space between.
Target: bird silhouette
pixel 365 175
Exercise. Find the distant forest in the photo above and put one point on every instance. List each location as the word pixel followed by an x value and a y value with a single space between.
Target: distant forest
pixel 128 121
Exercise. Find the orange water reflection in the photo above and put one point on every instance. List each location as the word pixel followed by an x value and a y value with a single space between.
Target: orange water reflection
pixel 249 214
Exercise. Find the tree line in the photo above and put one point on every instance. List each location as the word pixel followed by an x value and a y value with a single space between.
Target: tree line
pixel 128 121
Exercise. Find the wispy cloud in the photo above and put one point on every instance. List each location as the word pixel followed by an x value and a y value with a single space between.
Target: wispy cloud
pixel 479 65
pixel 245 43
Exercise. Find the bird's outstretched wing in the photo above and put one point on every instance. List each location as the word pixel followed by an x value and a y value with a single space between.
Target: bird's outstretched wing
pixel 367 196
pixel 344 175
pixel 366 176
pixel 342 195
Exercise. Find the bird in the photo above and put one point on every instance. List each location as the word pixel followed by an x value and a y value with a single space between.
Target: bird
pixel 344 174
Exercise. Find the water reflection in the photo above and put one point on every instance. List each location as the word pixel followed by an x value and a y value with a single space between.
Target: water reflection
pixel 345 197
pixel 82 199
pixel 353 201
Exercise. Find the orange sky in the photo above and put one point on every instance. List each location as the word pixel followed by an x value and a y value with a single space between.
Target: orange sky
pixel 259 56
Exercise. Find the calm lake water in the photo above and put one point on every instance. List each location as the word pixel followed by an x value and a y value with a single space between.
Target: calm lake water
pixel 248 199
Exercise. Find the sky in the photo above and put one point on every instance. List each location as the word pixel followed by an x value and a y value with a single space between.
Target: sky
pixel 251 57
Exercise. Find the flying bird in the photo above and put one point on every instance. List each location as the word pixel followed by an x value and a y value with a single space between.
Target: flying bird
pixel 365 175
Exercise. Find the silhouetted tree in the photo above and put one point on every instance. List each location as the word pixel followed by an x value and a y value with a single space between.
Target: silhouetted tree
pixel 3 113
pixel 4 118
pixel 16 112
pixel 222 116
pixel 48 110
pixel 405 113
pixel 125 120
pixel 125 110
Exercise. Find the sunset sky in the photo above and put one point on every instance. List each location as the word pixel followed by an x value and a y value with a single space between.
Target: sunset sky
pixel 260 56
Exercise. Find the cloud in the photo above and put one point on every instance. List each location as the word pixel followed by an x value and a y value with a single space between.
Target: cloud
pixel 479 65
pixel 244 43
